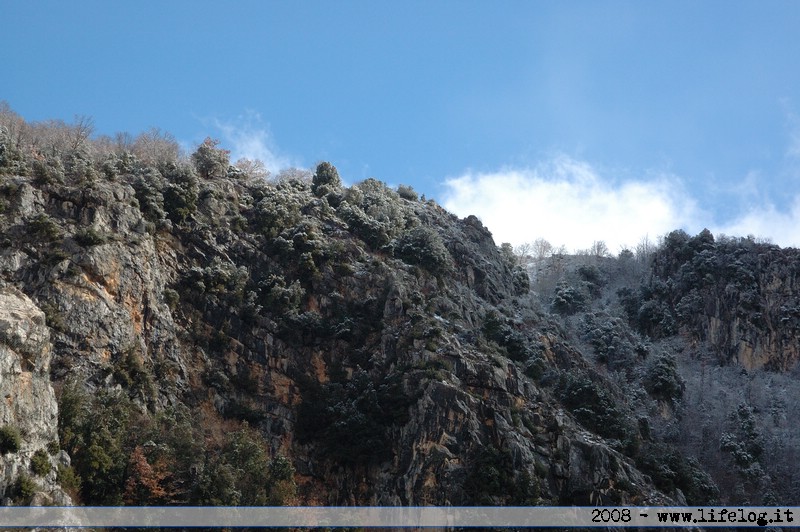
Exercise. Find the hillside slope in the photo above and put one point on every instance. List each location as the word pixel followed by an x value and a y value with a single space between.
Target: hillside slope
pixel 364 347
pixel 707 327
pixel 214 335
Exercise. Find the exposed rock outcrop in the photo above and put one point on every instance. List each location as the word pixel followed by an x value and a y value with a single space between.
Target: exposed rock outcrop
pixel 738 297
pixel 369 310
pixel 28 407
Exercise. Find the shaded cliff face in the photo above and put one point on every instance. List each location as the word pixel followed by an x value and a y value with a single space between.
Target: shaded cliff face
pixel 735 297
pixel 379 349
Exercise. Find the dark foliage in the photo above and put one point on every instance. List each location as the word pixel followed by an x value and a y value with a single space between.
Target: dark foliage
pixel 424 247
pixel 569 299
pixel 494 479
pixel 614 344
pixel 124 456
pixel 326 180
pixel 596 408
pixel 497 328
pixel 210 160
pixel 670 469
pixel 9 439
pixel 662 380
pixel 350 420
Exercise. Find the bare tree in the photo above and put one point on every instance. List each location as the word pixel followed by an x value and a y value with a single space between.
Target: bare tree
pixel 524 253
pixel 599 249
pixel 123 142
pixel 541 249
pixel 56 137
pixel 252 168
pixel 524 249
pixel 15 128
pixel 644 249
pixel 79 132
pixel 53 136
pixel 298 174
pixel 155 146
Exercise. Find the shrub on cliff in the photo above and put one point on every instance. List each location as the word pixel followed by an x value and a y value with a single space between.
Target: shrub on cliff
pixel 595 408
pixel 407 192
pixel 40 463
pixel 242 472
pixel 181 192
pixel 279 208
pixel 568 299
pixel 12 161
pixel 149 186
pixel 10 439
pixel 493 479
pixel 374 212
pixel 662 380
pixel 47 170
pixel 122 455
pixel 23 490
pixel 326 180
pixel 670 469
pixel 497 328
pixel 424 247
pixel 210 160
pixel 615 345
pixel 44 228
pixel 350 419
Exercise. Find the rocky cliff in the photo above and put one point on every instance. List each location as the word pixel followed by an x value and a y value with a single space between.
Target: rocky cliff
pixel 218 336
pixel 708 328
pixel 736 297
pixel 378 348
pixel 28 411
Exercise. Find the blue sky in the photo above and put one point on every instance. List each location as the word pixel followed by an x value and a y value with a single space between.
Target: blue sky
pixel 572 121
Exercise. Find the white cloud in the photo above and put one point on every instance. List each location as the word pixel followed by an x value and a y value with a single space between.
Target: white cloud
pixel 766 221
pixel 248 137
pixel 568 203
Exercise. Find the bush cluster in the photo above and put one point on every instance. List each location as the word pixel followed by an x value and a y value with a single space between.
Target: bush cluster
pixel 40 463
pixel 23 490
pixel 500 330
pixel 374 213
pixel 325 180
pixel 670 469
pixel 596 408
pixel 494 479
pixel 210 160
pixel 10 439
pixel 350 419
pixel 568 299
pixel 424 247
pixel 701 279
pixel 662 380
pixel 121 455
pixel 613 342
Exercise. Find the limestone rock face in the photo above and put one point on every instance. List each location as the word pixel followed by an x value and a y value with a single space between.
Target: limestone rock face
pixel 738 297
pixel 387 348
pixel 28 403
pixel 215 336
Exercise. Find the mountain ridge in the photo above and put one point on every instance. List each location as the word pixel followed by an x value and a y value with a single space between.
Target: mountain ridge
pixel 222 338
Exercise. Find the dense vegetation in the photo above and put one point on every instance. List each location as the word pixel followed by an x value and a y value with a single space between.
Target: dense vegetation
pixel 289 331
pixel 705 327
pixel 276 258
